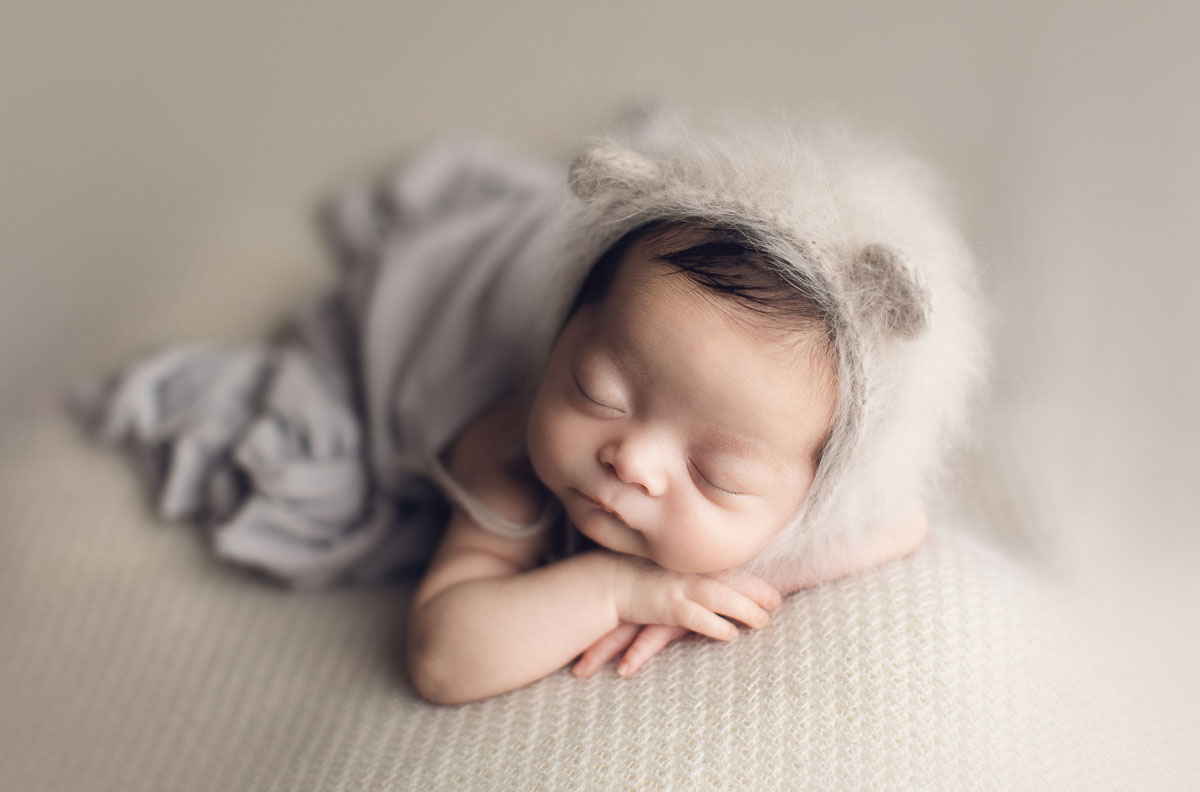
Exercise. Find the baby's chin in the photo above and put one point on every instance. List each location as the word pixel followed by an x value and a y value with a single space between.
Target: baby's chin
pixel 608 531
pixel 611 534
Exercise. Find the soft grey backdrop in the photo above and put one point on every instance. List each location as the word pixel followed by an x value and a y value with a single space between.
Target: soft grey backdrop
pixel 158 162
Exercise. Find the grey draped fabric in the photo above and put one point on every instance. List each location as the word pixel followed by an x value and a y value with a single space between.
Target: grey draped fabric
pixel 312 457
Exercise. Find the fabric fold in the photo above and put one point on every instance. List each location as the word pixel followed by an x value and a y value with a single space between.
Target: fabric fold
pixel 311 457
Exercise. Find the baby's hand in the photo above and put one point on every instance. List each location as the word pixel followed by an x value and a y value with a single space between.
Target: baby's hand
pixel 648 594
pixel 640 642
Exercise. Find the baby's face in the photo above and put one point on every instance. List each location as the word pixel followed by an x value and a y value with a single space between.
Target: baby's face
pixel 672 427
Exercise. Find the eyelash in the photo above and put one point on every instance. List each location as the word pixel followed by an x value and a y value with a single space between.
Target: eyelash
pixel 710 483
pixel 589 397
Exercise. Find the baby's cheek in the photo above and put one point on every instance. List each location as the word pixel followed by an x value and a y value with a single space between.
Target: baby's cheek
pixel 548 438
pixel 738 548
pixel 695 542
pixel 735 540
pixel 536 447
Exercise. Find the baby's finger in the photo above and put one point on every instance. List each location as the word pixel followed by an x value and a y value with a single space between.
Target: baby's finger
pixel 648 643
pixel 699 618
pixel 606 648
pixel 757 589
pixel 728 601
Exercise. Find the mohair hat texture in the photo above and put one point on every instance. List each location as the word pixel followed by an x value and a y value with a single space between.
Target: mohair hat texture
pixel 863 227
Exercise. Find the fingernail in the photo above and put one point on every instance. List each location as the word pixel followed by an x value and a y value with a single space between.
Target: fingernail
pixel 623 670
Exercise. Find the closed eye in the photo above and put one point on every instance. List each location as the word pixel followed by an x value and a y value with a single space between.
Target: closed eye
pixel 590 397
pixel 712 484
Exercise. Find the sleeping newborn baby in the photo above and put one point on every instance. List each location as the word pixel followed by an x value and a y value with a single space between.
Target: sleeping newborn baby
pixel 680 423
pixel 712 366
pixel 747 395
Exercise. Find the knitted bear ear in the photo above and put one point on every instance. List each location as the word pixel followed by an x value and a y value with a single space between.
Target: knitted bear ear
pixel 608 168
pixel 890 295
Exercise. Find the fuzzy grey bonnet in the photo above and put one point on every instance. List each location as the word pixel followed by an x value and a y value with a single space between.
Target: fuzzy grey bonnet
pixel 862 224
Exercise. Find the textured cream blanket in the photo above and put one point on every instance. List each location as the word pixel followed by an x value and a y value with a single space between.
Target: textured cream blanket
pixel 132 662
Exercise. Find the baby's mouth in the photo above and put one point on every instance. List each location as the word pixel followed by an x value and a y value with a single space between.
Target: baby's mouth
pixel 600 505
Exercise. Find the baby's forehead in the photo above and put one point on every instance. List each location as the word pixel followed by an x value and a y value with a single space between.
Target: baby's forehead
pixel 643 282
pixel 733 266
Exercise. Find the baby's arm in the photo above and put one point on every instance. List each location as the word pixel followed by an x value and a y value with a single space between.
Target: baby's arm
pixel 486 619
pixel 641 642
pixel 484 623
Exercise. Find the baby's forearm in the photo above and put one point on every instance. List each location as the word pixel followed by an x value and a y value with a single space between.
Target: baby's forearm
pixel 485 636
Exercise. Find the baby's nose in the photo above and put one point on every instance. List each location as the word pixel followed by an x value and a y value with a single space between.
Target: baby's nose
pixel 636 462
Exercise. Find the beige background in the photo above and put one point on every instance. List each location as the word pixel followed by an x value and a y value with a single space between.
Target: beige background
pixel 145 144
pixel 158 162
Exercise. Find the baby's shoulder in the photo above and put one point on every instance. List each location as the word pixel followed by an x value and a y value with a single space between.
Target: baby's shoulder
pixel 487 460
